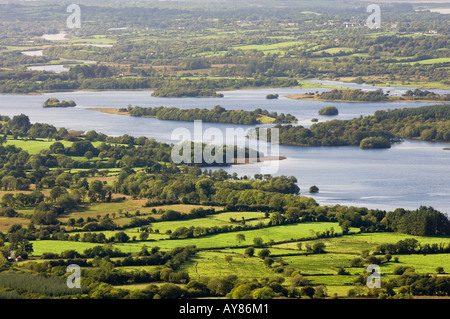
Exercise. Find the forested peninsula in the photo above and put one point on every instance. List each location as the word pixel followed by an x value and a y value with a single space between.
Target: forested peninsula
pixel 358 95
pixel 216 115
pixel 427 123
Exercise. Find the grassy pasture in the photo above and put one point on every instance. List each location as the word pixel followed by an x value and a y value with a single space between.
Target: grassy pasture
pixel 336 50
pixel 333 280
pixel 378 238
pixel 218 220
pixel 354 244
pixel 275 233
pixel 421 263
pixel 7 222
pixel 320 264
pixel 34 146
pixel 213 264
pixel 272 48
pixel 430 61
pixel 57 246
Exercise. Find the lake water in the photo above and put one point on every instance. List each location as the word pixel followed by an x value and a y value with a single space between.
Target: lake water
pixel 33 53
pixel 55 36
pixel 56 68
pixel 408 175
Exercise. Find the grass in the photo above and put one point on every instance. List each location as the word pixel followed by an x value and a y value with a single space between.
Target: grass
pixel 34 146
pixel 421 263
pixel 275 233
pixel 270 48
pixel 216 220
pixel 7 222
pixel 321 264
pixel 336 50
pixel 94 39
pixel 128 205
pixel 430 61
pixel 57 246
pixel 378 238
pixel 333 280
pixel 345 244
pixel 354 244
pixel 213 264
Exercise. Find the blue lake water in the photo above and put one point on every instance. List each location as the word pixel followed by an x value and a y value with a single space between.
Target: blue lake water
pixel 410 174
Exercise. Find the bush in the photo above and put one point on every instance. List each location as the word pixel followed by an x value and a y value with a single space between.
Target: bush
pixel 400 270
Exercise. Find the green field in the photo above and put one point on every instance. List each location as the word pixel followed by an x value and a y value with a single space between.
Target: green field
pixel 422 263
pixel 275 233
pixel 34 146
pixel 270 48
pixel 213 264
pixel 336 50
pixel 431 61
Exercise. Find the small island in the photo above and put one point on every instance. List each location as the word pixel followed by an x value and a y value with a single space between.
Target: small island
pixel 272 96
pixel 54 102
pixel 185 92
pixel 374 142
pixel 329 110
pixel 313 189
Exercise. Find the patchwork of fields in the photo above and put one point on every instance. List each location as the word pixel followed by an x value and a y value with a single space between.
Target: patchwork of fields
pixel 224 254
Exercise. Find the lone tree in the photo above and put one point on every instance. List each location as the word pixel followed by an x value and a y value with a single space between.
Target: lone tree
pixel 250 251
pixel 229 259
pixel 240 238
pixel 263 253
pixel 308 291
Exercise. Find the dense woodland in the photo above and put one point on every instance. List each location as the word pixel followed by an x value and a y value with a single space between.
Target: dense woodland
pixel 427 123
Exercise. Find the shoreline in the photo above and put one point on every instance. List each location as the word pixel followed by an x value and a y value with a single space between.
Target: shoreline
pixel 252 160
